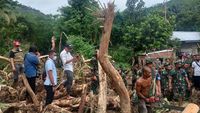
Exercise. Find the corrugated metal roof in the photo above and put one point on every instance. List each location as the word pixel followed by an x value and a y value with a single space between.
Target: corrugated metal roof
pixel 186 36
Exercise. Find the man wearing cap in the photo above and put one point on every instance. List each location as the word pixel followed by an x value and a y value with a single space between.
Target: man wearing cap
pixel 165 81
pixel 188 69
pixel 179 82
pixel 196 71
pixel 16 58
pixel 68 60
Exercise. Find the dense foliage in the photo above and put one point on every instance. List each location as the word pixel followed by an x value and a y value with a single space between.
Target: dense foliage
pixel 135 30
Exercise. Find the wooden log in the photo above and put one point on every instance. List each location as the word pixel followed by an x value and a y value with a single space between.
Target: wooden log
pixel 191 108
pixel 5 74
pixel 44 56
pixel 30 91
pixel 107 66
pixel 83 99
pixel 4 59
pixel 8 94
pixel 102 98
pixel 63 102
pixel 55 109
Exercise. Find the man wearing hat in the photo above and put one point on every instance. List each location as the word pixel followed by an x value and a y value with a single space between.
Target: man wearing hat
pixel 165 81
pixel 179 82
pixel 16 58
pixel 68 60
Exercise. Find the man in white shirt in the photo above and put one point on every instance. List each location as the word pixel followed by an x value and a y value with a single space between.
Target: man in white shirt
pixel 196 68
pixel 67 60
pixel 51 77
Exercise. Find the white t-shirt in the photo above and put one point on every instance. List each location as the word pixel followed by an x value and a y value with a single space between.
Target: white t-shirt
pixel 196 68
pixel 66 56
pixel 50 65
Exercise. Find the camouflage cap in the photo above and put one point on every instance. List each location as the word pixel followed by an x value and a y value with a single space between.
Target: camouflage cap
pixel 178 62
pixel 188 62
pixel 166 64
pixel 149 61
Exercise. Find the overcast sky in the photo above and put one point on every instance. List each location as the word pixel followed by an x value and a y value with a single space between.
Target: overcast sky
pixel 51 6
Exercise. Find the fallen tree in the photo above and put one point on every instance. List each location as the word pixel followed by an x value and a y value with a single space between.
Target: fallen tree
pixel 102 98
pixel 113 74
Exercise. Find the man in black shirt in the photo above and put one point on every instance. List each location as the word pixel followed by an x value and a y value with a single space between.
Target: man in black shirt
pixel 16 59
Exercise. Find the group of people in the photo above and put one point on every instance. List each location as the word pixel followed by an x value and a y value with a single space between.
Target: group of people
pixel 168 80
pixel 28 64
pixel 154 80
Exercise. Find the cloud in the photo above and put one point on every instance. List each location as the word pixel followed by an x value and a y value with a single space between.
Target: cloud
pixel 45 6
pixel 51 6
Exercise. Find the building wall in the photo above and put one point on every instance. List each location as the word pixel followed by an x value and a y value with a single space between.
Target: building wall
pixel 190 48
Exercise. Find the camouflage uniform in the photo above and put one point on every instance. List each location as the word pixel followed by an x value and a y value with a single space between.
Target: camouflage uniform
pixel 165 83
pixel 179 82
pixel 188 70
pixel 18 58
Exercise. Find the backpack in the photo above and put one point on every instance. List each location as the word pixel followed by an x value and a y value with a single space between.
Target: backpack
pixel 44 74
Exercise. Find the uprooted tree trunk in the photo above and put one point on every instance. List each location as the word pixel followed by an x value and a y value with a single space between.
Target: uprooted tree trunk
pixel 191 108
pixel 106 64
pixel 30 91
pixel 5 59
pixel 102 98
pixel 83 99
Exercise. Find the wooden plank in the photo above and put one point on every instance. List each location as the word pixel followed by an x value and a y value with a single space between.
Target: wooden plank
pixel 191 108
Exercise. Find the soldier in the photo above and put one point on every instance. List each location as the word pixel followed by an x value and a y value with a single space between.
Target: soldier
pixel 165 81
pixel 188 70
pixel 16 59
pixel 179 82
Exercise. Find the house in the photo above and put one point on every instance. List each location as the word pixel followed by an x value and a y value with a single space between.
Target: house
pixel 190 41
pixel 161 55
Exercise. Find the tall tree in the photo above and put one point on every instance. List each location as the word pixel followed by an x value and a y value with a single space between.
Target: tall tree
pixel 134 10
pixel 151 34
pixel 79 20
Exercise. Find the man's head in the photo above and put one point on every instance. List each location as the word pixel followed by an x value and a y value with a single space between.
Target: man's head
pixel 16 43
pixel 68 47
pixel 198 57
pixel 33 49
pixel 178 64
pixel 52 54
pixel 167 66
pixel 146 72
pixel 149 63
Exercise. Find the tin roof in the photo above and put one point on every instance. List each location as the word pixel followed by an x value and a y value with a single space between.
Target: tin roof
pixel 186 36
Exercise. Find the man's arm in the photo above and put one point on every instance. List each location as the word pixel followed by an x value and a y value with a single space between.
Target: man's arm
pixel 64 60
pixel 138 90
pixel 158 88
pixel 170 82
pixel 188 83
pixel 71 60
pixel 53 44
pixel 186 78
pixel 50 73
pixel 12 64
pixel 12 55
